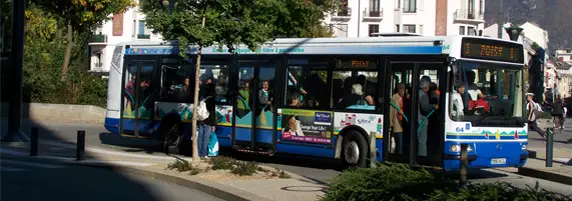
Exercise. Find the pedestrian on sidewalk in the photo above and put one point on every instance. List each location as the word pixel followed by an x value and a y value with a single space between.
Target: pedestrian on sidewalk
pixel 207 126
pixel 532 116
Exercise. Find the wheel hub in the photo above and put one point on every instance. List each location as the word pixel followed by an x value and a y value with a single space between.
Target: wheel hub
pixel 351 152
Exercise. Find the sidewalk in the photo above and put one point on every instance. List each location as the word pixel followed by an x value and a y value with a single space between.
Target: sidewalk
pixel 295 188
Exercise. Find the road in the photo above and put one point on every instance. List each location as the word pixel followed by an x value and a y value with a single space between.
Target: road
pixel 24 179
pixel 319 170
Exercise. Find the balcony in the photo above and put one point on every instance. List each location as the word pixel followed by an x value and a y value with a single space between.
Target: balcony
pixel 98 38
pixel 343 14
pixel 469 16
pixel 143 36
pixel 370 15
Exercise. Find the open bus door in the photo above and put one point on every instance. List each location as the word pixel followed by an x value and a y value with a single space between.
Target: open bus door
pixel 140 87
pixel 254 122
pixel 419 139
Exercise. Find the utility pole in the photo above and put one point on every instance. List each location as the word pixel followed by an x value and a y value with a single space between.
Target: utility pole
pixel 17 62
pixel 499 80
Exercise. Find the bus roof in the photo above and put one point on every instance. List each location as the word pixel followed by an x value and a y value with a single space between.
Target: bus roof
pixel 370 45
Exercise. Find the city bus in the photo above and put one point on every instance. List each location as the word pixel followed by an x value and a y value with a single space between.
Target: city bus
pixel 332 97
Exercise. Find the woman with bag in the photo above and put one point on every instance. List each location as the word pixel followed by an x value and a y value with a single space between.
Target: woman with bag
pixel 208 125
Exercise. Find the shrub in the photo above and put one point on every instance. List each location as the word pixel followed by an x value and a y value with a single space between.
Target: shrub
pixel 398 182
pixel 245 168
pixel 222 163
pixel 183 166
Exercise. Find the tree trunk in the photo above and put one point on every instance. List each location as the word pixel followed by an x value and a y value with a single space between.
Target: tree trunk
pixel 67 54
pixel 196 97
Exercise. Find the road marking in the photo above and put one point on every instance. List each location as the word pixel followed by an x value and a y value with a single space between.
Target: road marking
pixel 8 169
pixel 70 160
pixel 30 164
pixel 118 153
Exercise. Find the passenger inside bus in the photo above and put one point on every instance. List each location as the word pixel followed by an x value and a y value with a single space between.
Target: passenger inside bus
pixel 355 97
pixel 264 96
pixel 184 93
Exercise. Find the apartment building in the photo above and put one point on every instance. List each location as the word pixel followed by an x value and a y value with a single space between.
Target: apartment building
pixel 362 18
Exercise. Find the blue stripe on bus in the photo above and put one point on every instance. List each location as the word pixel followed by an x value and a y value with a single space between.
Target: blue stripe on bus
pixel 491 137
pixel 301 50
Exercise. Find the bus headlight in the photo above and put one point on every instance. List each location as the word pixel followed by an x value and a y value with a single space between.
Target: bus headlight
pixel 524 147
pixel 457 148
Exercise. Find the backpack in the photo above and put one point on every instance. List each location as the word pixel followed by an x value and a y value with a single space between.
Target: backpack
pixel 536 113
pixel 202 111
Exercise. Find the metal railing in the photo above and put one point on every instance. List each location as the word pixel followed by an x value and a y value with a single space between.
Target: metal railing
pixel 462 14
pixel 367 12
pixel 343 12
pixel 98 38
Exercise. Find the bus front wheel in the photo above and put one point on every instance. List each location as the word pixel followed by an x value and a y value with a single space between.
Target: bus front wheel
pixel 354 150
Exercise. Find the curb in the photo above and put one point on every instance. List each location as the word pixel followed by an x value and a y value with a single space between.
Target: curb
pixel 550 176
pixel 212 188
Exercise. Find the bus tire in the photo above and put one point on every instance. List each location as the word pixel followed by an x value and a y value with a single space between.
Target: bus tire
pixel 173 139
pixel 354 150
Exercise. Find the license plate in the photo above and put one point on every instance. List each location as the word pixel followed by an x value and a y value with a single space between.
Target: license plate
pixel 497 161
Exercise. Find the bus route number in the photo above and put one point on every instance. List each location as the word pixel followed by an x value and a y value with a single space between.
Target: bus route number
pixel 460 129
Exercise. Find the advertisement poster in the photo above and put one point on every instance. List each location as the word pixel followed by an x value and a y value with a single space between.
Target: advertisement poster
pixel 369 122
pixel 307 126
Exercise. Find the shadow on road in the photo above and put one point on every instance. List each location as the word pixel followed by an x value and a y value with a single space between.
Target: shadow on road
pixel 81 185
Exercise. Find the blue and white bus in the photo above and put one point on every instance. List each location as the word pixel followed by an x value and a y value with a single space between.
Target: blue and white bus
pixel 331 97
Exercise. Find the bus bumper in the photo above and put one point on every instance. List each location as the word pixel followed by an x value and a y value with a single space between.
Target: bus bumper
pixel 488 155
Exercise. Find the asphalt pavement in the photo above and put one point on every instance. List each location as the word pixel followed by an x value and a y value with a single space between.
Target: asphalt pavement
pixel 25 178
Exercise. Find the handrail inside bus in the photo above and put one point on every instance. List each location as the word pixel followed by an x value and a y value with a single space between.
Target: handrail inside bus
pixel 424 120
pixel 399 110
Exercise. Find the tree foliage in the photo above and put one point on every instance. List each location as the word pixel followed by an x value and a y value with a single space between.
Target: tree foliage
pixel 81 15
pixel 234 22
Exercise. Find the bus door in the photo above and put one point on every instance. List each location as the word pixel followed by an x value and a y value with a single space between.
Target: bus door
pixel 398 111
pixel 255 107
pixel 417 132
pixel 430 146
pixel 140 86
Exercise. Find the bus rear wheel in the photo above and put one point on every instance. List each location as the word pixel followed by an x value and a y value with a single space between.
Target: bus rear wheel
pixel 354 150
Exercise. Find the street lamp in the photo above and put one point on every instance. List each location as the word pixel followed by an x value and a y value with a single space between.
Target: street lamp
pixel 513 32
pixel 170 4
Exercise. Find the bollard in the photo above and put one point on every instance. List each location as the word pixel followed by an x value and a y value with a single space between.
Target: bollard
pixel 464 165
pixel 80 150
pixel 549 145
pixel 34 142
pixel 372 151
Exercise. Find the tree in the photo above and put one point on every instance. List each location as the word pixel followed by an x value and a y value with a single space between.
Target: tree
pixel 80 15
pixel 230 23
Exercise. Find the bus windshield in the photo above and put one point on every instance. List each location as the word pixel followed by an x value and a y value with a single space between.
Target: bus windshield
pixel 488 94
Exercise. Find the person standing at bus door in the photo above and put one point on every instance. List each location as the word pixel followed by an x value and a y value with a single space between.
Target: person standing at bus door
pixel 184 93
pixel 396 117
pixel 424 109
pixel 531 117
pixel 207 126
pixel 264 96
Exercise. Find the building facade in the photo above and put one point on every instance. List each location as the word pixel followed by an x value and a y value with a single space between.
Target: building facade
pixel 128 26
pixel 361 18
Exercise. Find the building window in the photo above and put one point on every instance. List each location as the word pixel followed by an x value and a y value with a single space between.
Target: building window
pixel 134 28
pixel 397 4
pixel 143 32
pixel 471 31
pixel 373 28
pixel 374 8
pixel 471 9
pixel 397 28
pixel 409 28
pixel 461 30
pixel 409 6
pixel 481 4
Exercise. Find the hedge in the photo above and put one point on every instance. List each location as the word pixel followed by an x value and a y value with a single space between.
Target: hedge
pixel 398 182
